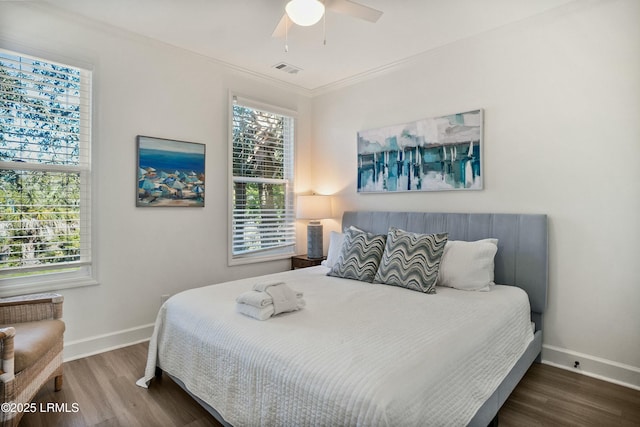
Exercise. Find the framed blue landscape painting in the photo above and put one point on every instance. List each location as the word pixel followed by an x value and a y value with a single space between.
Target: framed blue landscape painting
pixel 434 154
pixel 170 173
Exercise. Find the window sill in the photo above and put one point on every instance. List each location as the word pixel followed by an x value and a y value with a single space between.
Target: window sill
pixel 255 259
pixel 8 290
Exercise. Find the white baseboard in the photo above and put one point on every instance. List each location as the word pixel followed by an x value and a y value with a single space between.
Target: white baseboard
pixel 592 366
pixel 106 342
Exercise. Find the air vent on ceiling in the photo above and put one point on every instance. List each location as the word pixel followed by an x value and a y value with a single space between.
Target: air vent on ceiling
pixel 287 68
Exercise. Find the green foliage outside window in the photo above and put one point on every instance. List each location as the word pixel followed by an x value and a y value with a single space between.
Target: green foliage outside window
pixel 40 191
pixel 260 171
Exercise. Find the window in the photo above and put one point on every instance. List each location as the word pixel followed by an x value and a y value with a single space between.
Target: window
pixel 262 215
pixel 45 171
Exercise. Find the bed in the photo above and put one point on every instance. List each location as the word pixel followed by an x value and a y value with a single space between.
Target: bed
pixel 366 353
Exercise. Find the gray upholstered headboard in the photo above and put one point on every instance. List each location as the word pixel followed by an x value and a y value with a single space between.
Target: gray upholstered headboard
pixel 522 243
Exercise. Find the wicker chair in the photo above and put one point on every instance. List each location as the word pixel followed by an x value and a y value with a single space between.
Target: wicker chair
pixel 31 341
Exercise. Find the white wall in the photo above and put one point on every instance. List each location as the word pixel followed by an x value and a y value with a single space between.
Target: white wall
pixel 561 96
pixel 147 88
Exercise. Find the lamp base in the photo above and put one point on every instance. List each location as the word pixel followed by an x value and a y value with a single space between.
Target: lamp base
pixel 314 240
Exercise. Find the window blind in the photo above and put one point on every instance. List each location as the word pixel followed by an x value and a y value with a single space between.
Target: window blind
pixel 45 168
pixel 263 219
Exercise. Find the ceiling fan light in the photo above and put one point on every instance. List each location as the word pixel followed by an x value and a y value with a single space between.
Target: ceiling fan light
pixel 305 12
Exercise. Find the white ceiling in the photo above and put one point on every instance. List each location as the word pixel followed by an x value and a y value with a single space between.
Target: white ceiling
pixel 238 32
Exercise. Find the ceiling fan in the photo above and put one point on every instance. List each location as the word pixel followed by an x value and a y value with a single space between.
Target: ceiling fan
pixel 309 12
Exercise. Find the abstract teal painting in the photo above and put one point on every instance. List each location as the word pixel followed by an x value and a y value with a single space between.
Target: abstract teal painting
pixel 433 154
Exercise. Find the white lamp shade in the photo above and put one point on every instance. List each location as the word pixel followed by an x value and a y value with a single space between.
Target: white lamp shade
pixel 305 12
pixel 314 207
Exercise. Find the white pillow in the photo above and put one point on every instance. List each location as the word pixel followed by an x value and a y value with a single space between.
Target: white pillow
pixel 335 247
pixel 468 265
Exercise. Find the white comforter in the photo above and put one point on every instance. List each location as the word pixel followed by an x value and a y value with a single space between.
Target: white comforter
pixel 357 354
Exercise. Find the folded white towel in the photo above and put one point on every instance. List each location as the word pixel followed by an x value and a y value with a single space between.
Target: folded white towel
pixel 268 299
pixel 284 298
pixel 255 298
pixel 257 313
pixel 263 313
pixel 258 298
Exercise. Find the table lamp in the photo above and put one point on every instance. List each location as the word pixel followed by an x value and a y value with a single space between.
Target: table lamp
pixel 314 207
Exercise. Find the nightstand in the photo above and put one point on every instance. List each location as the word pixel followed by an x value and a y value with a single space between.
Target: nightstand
pixel 302 261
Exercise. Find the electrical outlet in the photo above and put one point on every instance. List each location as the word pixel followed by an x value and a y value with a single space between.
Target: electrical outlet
pixel 576 364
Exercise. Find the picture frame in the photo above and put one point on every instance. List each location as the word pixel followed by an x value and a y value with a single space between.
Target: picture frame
pixel 170 173
pixel 434 154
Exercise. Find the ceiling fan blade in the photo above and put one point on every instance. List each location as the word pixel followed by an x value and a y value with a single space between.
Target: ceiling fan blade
pixel 357 10
pixel 281 29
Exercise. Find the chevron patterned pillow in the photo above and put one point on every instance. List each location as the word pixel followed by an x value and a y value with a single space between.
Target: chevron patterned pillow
pixel 360 255
pixel 411 260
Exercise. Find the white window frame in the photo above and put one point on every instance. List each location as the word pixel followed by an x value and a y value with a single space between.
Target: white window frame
pixel 84 270
pixel 285 251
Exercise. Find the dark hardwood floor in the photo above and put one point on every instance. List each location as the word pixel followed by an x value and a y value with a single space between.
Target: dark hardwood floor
pixel 103 389
pixel 549 396
pixel 103 386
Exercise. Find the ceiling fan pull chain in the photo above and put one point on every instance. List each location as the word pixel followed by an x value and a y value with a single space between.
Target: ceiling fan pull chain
pixel 286 34
pixel 324 29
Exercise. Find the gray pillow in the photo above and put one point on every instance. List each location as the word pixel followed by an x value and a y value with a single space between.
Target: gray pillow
pixel 411 260
pixel 360 255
